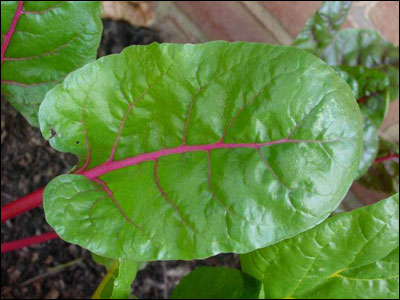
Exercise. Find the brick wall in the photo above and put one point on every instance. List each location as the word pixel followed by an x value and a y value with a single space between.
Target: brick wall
pixel 276 22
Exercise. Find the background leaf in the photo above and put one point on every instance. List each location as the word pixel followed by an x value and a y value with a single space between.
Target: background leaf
pixel 192 150
pixel 51 39
pixel 352 255
pixel 384 176
pixel 217 283
pixel 371 88
pixel 362 47
pixel 321 28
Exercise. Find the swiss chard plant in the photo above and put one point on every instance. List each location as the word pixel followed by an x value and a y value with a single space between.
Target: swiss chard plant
pixel 188 151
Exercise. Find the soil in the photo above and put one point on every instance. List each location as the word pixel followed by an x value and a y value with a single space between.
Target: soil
pixel 57 269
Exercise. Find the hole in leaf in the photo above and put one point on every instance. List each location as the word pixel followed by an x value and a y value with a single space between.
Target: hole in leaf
pixel 77 142
pixel 53 132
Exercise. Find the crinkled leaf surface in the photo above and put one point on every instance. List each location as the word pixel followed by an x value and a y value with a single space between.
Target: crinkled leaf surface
pixel 355 47
pixel 322 27
pixel 384 176
pixel 192 150
pixel 51 39
pixel 217 283
pixel 352 255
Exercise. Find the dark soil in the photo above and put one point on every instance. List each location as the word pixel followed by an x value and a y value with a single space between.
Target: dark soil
pixel 57 269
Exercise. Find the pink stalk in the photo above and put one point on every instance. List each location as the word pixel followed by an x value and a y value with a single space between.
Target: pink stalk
pixel 11 30
pixel 386 158
pixel 21 205
pixel 18 244
pixel 35 199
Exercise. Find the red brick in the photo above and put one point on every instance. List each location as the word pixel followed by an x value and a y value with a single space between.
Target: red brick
pixel 292 14
pixel 392 116
pixel 385 17
pixel 225 20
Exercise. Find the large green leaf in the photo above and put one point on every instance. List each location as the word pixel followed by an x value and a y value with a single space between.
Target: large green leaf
pixel 384 174
pixel 192 150
pixel 362 47
pixel 322 27
pixel 217 283
pixel 352 255
pixel 50 39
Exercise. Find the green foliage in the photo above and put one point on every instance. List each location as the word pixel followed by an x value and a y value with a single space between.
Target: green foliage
pixel 366 48
pixel 349 256
pixel 199 149
pixel 51 39
pixel 322 27
pixel 368 63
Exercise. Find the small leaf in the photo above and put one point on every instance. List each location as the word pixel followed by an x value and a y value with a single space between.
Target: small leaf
pixel 118 280
pixel 322 27
pixel 217 283
pixel 106 286
pixel 187 151
pixel 383 176
pixel 50 39
pixel 349 256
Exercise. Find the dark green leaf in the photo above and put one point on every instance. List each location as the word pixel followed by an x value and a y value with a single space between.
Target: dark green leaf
pixel 355 47
pixel 322 27
pixel 217 283
pixel 193 150
pixel 349 256
pixel 366 82
pixel 51 39
pixel 370 86
pixel 384 175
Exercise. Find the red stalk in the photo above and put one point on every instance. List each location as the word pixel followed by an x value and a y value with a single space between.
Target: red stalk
pixel 18 244
pixel 362 100
pixel 35 199
pixel 385 158
pixel 21 205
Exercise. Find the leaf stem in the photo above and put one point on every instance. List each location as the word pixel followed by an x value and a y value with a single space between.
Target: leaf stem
pixel 386 158
pixel 18 244
pixel 21 205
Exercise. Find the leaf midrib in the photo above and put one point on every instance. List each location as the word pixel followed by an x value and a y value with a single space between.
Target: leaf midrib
pixel 112 165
